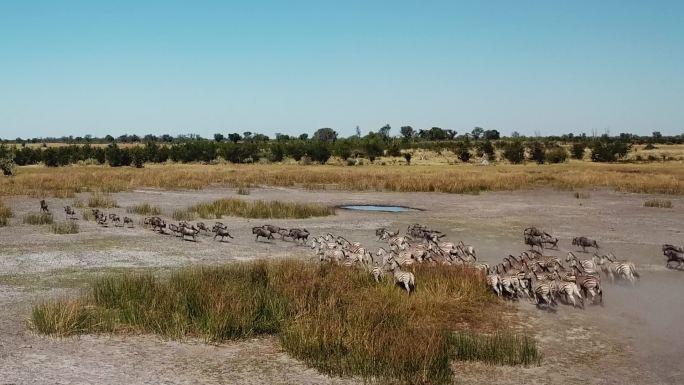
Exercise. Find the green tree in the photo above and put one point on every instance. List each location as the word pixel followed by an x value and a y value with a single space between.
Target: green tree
pixel 218 137
pixel 477 132
pixel 537 152
pixel 578 150
pixel 514 152
pixel 326 134
pixel 407 132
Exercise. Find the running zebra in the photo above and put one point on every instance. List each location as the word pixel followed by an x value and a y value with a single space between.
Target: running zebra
pixel 403 278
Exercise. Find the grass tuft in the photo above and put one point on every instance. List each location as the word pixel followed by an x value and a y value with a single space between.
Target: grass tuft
pixel 183 215
pixel 5 214
pixel 38 219
pixel 144 209
pixel 257 209
pixel 100 200
pixel 69 227
pixel 336 319
pixel 243 191
pixel 661 203
pixel 581 195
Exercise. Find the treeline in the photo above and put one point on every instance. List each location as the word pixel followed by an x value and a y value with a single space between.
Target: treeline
pixel 324 144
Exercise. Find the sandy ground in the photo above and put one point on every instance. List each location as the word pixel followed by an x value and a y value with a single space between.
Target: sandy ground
pixel 634 339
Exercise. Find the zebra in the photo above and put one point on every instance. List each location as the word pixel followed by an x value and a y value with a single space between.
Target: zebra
pixel 44 207
pixel 542 292
pixel 376 272
pixel 584 242
pixel 590 285
pixel 588 266
pixel 494 281
pixel 622 269
pixel 569 291
pixel 403 278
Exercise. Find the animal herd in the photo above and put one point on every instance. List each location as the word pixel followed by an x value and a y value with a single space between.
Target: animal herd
pixel 546 280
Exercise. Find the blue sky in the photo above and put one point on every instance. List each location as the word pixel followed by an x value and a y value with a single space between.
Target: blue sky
pixel 178 67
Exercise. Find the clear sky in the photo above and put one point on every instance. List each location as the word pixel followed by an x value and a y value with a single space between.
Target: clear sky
pixel 180 67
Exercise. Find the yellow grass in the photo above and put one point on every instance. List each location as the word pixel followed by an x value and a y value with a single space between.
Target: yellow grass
pixel 662 178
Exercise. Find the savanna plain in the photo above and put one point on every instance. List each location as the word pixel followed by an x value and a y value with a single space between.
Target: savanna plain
pixel 90 302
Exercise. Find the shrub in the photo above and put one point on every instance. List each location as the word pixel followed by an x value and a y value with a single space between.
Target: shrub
pixel 537 153
pixel 661 203
pixel 462 152
pixel 581 195
pixel 578 151
pixel 650 146
pixel 144 209
pixel 338 320
pixel 101 200
pixel 608 152
pixel 69 227
pixel 38 219
pixel 514 152
pixel 556 155
pixel 407 157
pixel 7 165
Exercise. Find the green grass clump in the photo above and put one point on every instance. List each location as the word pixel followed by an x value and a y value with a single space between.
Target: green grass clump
pixel 335 319
pixel 69 227
pixel 38 219
pixel 183 215
pixel 5 214
pixel 259 209
pixel 101 201
pixel 661 203
pixel 144 209
pixel 243 191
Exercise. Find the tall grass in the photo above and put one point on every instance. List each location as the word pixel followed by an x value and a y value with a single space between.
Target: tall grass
pixel 38 219
pixel 243 191
pixel 69 227
pixel 258 209
pixel 144 209
pixel 660 203
pixel 655 178
pixel 335 319
pixel 100 200
pixel 5 214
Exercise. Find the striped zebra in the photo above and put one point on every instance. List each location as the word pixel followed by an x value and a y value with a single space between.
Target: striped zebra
pixel 494 281
pixel 587 265
pixel 542 292
pixel 568 291
pixel 589 285
pixel 403 278
pixel 620 269
pixel 376 272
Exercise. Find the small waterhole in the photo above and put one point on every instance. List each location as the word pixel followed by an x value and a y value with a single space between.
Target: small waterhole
pixel 382 208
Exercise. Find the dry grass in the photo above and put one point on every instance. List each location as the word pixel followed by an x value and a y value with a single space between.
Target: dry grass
pixel 144 209
pixel 38 219
pixel 335 319
pixel 254 209
pixel 69 227
pixel 100 200
pixel 5 214
pixel 581 195
pixel 662 178
pixel 660 203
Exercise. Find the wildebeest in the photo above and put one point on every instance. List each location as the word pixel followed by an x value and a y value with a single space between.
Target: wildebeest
pixel 299 234
pixel 44 207
pixel 674 255
pixel 261 232
pixel 221 231
pixel 128 221
pixel 585 242
pixel 157 224
pixel 533 241
pixel 202 226
pixel 70 213
pixel 187 231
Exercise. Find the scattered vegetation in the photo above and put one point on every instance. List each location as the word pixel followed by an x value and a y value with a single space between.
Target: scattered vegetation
pixel 257 209
pixel 101 201
pixel 144 209
pixel 661 203
pixel 68 227
pixel 5 214
pixel 77 203
pixel 581 195
pixel 38 219
pixel 183 215
pixel 335 319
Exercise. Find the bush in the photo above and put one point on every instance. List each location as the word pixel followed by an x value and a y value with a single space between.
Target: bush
pixel 537 153
pixel 608 152
pixel 336 319
pixel 69 227
pixel 38 219
pixel 462 152
pixel 650 146
pixel 556 155
pixel 256 209
pixel 514 152
pixel 578 150
pixel 407 156
pixel 7 165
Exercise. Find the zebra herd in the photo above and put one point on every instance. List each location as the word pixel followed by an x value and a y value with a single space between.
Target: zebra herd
pixel 420 245
pixel 546 280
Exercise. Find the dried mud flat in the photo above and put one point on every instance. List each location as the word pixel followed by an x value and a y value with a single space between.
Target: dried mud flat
pixel 634 339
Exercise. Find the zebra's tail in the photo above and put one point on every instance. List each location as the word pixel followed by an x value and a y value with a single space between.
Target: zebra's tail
pixel 634 271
